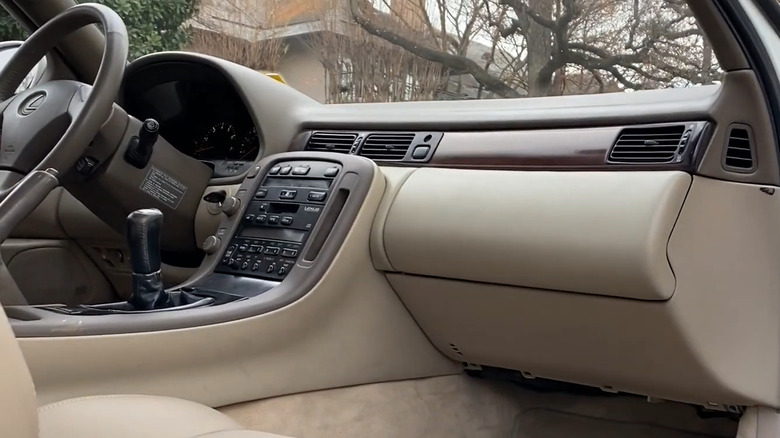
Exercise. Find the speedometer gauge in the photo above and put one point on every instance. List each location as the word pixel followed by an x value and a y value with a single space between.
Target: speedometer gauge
pixel 249 147
pixel 218 138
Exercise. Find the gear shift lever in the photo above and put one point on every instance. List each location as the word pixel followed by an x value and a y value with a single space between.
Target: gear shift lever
pixel 144 232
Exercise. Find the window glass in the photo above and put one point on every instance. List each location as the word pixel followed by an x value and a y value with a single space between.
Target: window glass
pixel 341 51
pixel 405 50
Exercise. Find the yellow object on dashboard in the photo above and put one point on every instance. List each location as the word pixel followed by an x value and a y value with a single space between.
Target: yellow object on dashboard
pixel 276 76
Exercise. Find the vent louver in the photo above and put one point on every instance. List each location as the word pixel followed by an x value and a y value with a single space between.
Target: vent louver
pixel 387 146
pixel 340 142
pixel 739 150
pixel 657 144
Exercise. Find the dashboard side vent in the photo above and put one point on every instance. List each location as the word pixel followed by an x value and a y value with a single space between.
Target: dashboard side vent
pixel 652 144
pixel 340 142
pixel 387 146
pixel 740 150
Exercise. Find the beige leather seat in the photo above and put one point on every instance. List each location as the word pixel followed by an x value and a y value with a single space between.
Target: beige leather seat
pixel 111 416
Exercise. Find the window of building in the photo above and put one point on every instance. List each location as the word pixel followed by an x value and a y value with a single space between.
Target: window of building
pixel 346 79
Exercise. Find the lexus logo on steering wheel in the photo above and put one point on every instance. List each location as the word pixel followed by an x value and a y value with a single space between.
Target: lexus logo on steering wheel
pixel 32 103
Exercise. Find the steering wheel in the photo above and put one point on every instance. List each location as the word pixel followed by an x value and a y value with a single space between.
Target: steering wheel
pixel 47 128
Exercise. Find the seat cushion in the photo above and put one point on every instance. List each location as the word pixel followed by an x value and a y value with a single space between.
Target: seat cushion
pixel 137 416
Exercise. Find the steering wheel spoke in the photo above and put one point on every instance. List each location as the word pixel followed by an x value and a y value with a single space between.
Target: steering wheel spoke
pixel 49 126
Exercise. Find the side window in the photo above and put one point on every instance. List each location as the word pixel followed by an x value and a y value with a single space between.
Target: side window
pixel 10 30
pixel 10 35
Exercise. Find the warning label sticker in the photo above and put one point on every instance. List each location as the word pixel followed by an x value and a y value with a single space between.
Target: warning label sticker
pixel 163 187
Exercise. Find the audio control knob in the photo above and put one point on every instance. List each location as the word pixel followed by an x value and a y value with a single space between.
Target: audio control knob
pixel 231 205
pixel 211 244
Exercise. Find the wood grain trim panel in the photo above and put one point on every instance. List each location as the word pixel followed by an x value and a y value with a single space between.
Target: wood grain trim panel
pixel 554 148
pixel 544 149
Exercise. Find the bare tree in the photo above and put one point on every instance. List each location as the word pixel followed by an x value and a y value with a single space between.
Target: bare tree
pixel 543 47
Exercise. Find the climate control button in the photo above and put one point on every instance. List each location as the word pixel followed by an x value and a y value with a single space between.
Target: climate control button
pixel 301 170
pixel 317 196
pixel 287 194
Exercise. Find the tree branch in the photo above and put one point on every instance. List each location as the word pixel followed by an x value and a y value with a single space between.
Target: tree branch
pixel 454 62
pixel 522 8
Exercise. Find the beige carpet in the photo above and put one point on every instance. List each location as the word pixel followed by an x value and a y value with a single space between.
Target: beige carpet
pixel 460 406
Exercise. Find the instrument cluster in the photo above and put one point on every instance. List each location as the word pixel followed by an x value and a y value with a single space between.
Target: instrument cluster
pixel 200 113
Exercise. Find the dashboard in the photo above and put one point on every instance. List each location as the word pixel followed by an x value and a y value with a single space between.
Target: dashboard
pixel 649 322
pixel 199 111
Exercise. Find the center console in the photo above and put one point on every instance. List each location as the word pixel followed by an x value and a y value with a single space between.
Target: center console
pixel 280 217
pixel 277 238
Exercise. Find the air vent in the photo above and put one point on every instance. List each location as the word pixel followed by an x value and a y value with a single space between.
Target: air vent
pixel 387 146
pixel 656 144
pixel 340 142
pixel 739 150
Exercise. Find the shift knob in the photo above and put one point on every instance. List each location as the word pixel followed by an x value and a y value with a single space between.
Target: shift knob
pixel 144 234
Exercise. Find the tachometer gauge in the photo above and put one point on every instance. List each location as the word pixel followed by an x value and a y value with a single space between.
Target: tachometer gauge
pixel 249 147
pixel 219 138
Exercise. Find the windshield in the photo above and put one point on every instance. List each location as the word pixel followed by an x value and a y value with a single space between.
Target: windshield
pixel 406 50
pixel 344 51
